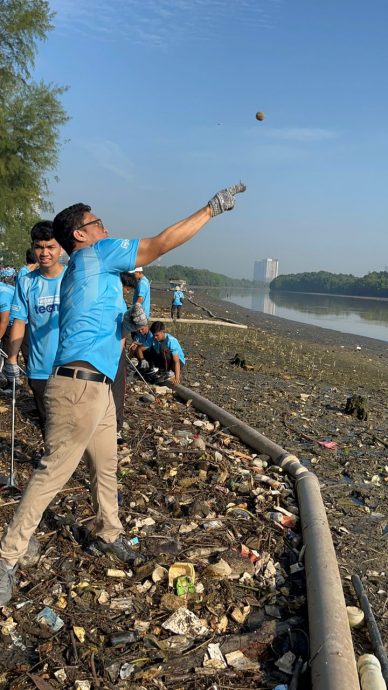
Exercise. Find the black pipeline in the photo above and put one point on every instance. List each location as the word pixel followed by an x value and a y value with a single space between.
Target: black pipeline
pixel 332 660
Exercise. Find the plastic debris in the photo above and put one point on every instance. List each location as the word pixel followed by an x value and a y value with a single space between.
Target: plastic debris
pixel 79 633
pixel 185 622
pixel 356 616
pixel 214 657
pixel 184 585
pixel 60 675
pixel 82 685
pixel 123 638
pixel 8 626
pixel 331 445
pixel 51 619
pixel 114 572
pixel 240 662
pixel 126 671
pixel 286 663
pixel 180 569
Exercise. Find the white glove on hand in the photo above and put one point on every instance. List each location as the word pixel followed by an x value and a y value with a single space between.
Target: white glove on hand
pixel 11 372
pixel 144 364
pixel 224 200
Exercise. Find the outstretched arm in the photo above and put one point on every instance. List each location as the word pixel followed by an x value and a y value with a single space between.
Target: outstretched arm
pixel 152 247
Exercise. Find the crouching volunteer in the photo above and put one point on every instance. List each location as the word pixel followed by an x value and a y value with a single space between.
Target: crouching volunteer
pixel 135 324
pixel 81 417
pixel 36 302
pixel 167 353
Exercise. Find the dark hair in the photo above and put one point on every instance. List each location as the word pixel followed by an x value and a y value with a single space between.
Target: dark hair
pixel 30 256
pixel 66 222
pixel 42 231
pixel 9 280
pixel 157 326
pixel 128 279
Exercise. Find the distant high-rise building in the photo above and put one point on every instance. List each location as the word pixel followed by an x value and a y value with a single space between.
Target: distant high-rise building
pixel 266 270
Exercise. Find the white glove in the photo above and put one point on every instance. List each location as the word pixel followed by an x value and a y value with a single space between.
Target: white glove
pixel 11 372
pixel 224 200
pixel 144 364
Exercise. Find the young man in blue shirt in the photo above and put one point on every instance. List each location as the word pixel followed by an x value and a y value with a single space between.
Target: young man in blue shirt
pixel 81 417
pixel 36 303
pixel 177 301
pixel 167 352
pixel 142 294
pixel 30 264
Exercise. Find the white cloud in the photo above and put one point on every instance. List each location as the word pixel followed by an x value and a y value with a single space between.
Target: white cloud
pixel 110 156
pixel 159 23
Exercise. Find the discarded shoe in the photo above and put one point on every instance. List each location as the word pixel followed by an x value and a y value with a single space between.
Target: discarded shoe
pixel 120 548
pixel 7 581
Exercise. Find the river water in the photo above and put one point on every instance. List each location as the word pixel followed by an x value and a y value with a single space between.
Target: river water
pixel 366 317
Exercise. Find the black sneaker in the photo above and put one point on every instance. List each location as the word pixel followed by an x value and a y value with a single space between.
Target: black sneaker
pixel 120 440
pixel 162 378
pixel 121 549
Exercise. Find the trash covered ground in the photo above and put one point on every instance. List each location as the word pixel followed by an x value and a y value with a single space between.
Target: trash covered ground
pixel 194 495
pixel 220 599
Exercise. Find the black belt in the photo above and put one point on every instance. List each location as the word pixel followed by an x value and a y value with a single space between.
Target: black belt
pixel 82 374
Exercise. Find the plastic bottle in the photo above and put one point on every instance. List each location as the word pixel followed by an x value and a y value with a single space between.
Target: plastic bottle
pixel 283 520
pixel 370 673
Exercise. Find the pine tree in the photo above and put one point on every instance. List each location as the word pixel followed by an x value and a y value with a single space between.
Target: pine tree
pixel 30 117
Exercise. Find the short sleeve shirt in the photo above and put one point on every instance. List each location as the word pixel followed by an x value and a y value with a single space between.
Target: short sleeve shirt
pixel 6 296
pixel 147 340
pixel 92 304
pixel 22 272
pixel 143 290
pixel 177 298
pixel 36 301
pixel 173 345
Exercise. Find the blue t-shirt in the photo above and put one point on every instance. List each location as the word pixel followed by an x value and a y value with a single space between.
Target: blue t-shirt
pixel 177 298
pixel 36 302
pixel 22 272
pixel 92 304
pixel 6 296
pixel 143 290
pixel 173 345
pixel 147 340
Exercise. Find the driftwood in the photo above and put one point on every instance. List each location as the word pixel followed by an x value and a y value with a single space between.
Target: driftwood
pixel 210 313
pixel 251 644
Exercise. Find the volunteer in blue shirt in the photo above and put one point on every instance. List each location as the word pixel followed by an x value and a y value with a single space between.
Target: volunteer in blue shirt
pixel 135 322
pixel 142 294
pixel 36 303
pixel 81 416
pixel 7 291
pixel 177 302
pixel 169 353
pixel 30 264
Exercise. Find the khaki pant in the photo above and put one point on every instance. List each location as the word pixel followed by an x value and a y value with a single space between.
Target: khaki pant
pixel 81 421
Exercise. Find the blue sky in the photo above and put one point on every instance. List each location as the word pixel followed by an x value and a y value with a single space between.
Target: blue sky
pixel 162 98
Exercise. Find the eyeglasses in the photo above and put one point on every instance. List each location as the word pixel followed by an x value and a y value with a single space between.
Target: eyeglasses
pixel 98 222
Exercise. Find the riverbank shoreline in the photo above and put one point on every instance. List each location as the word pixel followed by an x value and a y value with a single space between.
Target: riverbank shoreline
pixel 293 329
pixel 329 294
pixel 294 392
